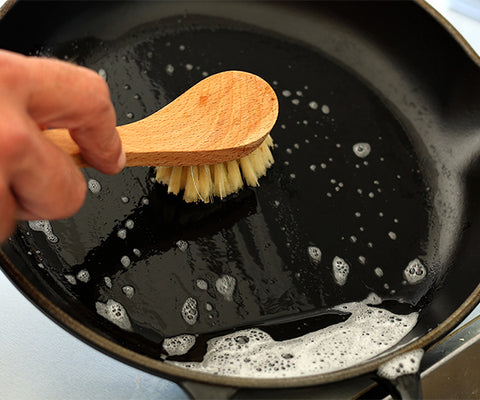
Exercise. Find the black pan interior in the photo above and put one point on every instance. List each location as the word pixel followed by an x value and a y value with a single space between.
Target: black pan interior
pixel 381 211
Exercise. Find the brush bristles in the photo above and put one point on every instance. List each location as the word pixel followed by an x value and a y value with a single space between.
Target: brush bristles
pixel 203 182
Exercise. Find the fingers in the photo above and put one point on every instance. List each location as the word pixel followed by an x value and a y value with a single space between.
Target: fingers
pixel 63 95
pixel 38 180
pixel 42 179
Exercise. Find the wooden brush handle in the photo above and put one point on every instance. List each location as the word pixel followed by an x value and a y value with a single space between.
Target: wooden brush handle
pixel 222 118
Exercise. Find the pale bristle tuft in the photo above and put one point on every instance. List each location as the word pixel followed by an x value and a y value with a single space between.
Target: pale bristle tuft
pixel 201 183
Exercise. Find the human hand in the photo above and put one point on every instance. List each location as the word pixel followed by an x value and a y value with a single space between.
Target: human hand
pixel 37 179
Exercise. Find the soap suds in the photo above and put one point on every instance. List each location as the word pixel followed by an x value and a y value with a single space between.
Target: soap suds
pixel 252 353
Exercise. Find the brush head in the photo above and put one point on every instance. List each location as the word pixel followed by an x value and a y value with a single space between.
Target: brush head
pixel 204 182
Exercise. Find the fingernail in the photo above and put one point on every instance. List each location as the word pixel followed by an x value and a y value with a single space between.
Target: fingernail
pixel 121 161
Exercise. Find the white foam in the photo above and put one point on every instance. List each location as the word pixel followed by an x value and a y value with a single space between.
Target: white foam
pixel 102 73
pixel 182 245
pixel 115 313
pixel 83 276
pixel 392 235
pixel 108 282
pixel 362 150
pixel 125 260
pixel 45 227
pixel 169 69
pixel 340 270
pixel 202 284
pixel 125 199
pixel 415 272
pixel 122 233
pixel 94 186
pixel 178 345
pixel 315 254
pixel 129 224
pixel 190 311
pixel 128 291
pixel 225 285
pixel 252 353
pixel 378 271
pixel 405 364
pixel 70 279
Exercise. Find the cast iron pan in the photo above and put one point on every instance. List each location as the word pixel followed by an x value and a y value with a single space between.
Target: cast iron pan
pixel 386 74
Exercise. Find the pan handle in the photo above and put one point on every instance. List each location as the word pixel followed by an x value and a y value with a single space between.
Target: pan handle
pixel 401 376
pixel 204 391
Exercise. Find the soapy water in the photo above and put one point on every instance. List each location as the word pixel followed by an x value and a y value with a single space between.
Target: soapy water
pixel 315 254
pixel 415 272
pixel 340 270
pixel 404 364
pixel 361 150
pixel 94 186
pixel 225 285
pixel 190 311
pixel 252 353
pixel 45 227
pixel 115 313
pixel 83 276
pixel 178 345
pixel 306 104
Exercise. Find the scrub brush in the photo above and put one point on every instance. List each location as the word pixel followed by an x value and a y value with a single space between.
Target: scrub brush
pixel 207 142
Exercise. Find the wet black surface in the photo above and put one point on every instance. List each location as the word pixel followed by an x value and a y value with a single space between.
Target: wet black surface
pixel 372 211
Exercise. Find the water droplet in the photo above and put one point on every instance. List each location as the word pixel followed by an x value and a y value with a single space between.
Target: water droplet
pixel 125 199
pixel 115 313
pixel 415 272
pixel 125 261
pixel 129 115
pixel 108 282
pixel 182 245
pixel 202 284
pixel 313 105
pixel 102 73
pixel 286 93
pixel 325 109
pixel 361 150
pixel 83 276
pixel 122 233
pixel 295 102
pixel 169 69
pixel 129 224
pixel 225 285
pixel 94 186
pixel 190 311
pixel 315 254
pixel 128 291
pixel 70 279
pixel 340 270
pixel 392 235
pixel 137 252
